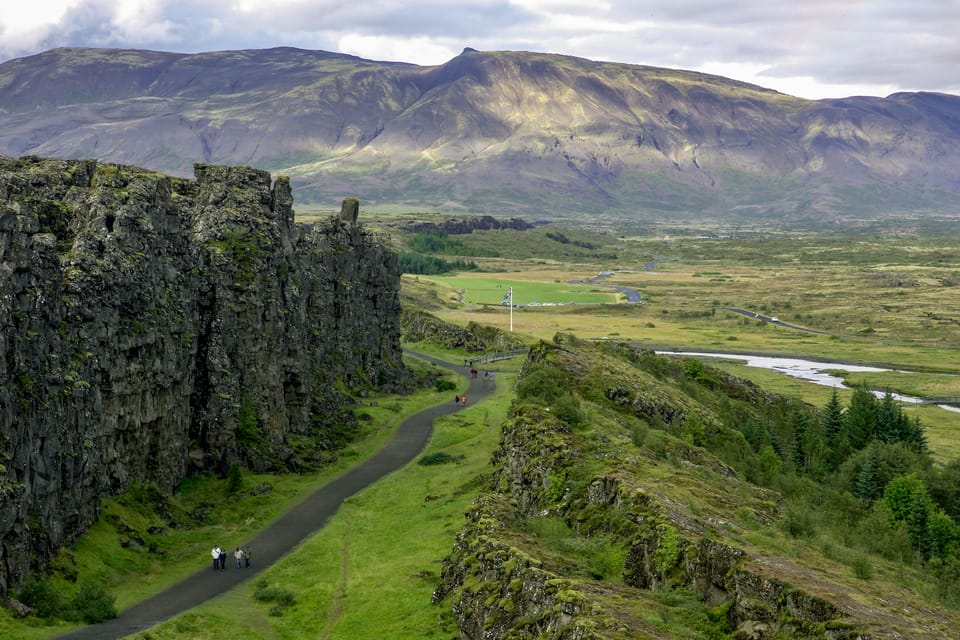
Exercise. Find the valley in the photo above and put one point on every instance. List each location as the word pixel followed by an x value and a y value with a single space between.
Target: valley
pixel 336 585
pixel 187 361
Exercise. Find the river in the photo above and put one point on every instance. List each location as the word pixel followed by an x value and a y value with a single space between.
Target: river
pixel 816 372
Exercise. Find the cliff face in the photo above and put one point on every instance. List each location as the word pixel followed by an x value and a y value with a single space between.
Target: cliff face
pixel 594 526
pixel 152 326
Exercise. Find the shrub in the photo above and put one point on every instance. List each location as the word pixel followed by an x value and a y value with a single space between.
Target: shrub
pixel 234 479
pixel 567 408
pixel 444 385
pixel 92 603
pixel 438 458
pixel 797 522
pixel 279 595
pixel 43 598
pixel 638 433
pixel 862 567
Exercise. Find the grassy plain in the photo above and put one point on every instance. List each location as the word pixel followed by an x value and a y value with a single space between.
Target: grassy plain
pixel 887 297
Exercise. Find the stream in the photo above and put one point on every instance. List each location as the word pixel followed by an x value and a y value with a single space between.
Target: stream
pixel 816 372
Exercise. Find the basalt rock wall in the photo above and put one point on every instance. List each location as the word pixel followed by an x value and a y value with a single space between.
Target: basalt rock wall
pixel 152 327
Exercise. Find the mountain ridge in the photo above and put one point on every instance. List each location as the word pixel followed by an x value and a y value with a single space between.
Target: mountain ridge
pixel 510 133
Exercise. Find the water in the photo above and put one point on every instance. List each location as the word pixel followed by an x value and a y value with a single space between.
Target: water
pixel 816 372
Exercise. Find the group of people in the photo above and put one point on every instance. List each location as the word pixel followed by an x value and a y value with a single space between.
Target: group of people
pixel 219 554
pixel 460 400
pixel 487 375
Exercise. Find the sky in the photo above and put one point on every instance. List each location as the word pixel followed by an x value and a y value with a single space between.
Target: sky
pixel 806 48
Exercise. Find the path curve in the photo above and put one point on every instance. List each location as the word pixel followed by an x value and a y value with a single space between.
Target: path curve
pixel 283 534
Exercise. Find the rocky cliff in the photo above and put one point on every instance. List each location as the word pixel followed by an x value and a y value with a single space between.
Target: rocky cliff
pixel 598 524
pixel 151 327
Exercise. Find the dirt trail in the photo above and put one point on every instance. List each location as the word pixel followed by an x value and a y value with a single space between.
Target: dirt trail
pixel 290 529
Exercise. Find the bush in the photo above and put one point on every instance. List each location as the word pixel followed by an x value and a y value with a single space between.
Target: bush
pixel 45 601
pixel 234 479
pixel 282 597
pixel 638 433
pixel 444 385
pixel 798 522
pixel 438 458
pixel 567 408
pixel 862 567
pixel 93 604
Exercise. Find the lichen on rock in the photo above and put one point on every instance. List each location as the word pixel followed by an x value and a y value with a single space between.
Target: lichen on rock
pixel 152 327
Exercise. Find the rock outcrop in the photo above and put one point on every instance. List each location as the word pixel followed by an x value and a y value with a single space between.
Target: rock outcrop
pixel 151 327
pixel 594 531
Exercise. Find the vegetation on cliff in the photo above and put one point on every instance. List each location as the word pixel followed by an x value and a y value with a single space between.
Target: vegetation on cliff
pixel 638 495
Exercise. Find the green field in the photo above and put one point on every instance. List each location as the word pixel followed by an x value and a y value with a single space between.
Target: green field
pixel 484 290
pixel 887 299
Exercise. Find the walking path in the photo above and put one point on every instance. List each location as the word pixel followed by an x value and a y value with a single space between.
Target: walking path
pixel 290 529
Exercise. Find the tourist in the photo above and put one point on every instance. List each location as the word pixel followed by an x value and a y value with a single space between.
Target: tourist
pixel 215 552
pixel 238 554
pixel 246 557
pixel 223 559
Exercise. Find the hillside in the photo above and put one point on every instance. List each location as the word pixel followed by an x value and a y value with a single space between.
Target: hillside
pixel 637 496
pixel 493 132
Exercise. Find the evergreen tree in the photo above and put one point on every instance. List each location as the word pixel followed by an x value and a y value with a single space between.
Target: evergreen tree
pixel 914 435
pixel 831 420
pixel 799 423
pixel 832 425
pixel 861 418
pixel 867 484
pixel 889 419
pixel 815 450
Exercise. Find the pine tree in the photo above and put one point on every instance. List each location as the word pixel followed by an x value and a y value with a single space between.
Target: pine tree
pixel 831 420
pixel 861 418
pixel 800 424
pixel 833 427
pixel 888 420
pixel 867 481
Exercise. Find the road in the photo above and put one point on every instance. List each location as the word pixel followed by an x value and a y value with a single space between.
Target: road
pixel 771 320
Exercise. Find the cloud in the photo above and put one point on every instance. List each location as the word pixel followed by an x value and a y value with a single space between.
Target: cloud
pixel 810 47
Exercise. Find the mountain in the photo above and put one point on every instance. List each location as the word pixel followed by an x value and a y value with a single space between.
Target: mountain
pixel 493 132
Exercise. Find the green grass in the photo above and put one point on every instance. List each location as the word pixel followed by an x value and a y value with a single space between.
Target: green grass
pixel 135 572
pixel 371 571
pixel 487 290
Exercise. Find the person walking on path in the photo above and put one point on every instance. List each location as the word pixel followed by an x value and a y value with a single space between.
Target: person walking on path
pixel 238 554
pixel 246 557
pixel 223 558
pixel 282 535
pixel 215 552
